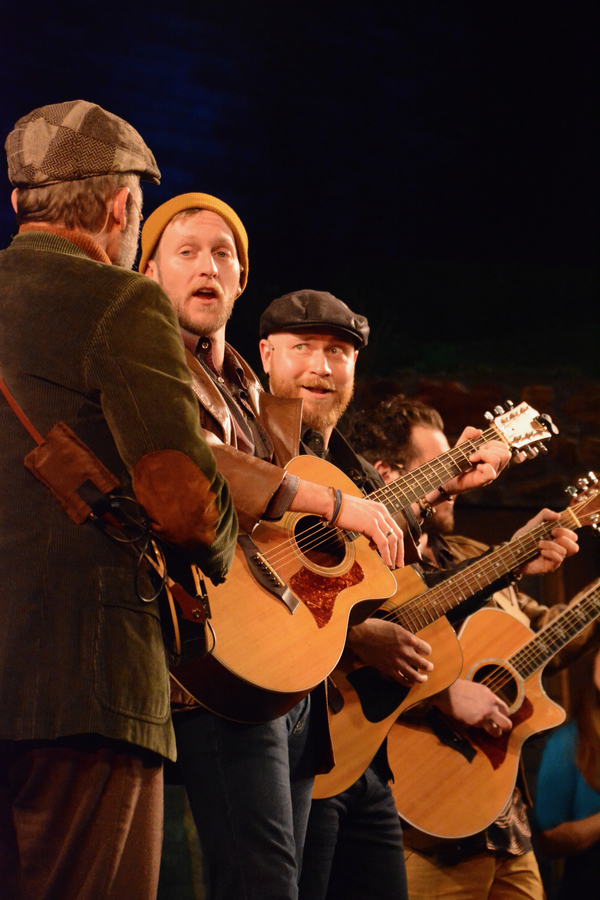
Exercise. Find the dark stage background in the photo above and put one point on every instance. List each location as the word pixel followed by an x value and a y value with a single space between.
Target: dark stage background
pixel 434 164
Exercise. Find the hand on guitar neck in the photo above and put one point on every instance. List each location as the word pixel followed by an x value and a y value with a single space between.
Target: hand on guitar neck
pixel 551 552
pixel 487 463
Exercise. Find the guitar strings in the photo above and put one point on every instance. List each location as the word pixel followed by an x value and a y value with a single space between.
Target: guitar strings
pixel 320 533
pixel 539 649
pixel 436 601
pixel 429 605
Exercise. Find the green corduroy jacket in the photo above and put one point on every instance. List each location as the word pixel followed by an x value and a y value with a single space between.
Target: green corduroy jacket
pixel 99 348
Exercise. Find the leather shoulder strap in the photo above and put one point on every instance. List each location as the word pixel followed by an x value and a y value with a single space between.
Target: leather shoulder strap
pixel 19 412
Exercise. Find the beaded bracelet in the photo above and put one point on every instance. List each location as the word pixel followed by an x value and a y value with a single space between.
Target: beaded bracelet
pixel 337 507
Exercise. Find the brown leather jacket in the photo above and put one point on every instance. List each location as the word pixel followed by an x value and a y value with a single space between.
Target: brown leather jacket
pixel 252 481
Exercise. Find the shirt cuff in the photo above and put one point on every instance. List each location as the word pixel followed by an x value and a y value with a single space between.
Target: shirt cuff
pixel 283 496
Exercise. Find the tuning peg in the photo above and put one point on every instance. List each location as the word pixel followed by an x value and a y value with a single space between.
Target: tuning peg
pixel 582 484
pixel 571 491
pixel 547 422
pixel 488 416
pixel 592 478
pixel 530 452
pixel 509 404
pixel 498 410
pixel 542 448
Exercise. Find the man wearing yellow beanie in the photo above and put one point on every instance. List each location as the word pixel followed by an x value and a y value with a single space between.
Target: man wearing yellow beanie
pixel 249 785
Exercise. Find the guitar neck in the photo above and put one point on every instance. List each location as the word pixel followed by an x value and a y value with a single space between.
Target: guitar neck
pixel 416 484
pixel 557 634
pixel 441 599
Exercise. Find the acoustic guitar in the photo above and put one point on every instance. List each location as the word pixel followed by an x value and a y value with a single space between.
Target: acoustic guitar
pixel 455 780
pixel 276 628
pixel 364 704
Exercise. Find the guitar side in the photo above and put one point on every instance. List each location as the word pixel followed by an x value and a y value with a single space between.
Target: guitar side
pixel 457 782
pixel 357 732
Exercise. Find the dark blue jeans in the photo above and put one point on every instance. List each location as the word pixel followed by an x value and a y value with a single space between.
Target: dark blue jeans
pixel 249 788
pixel 353 848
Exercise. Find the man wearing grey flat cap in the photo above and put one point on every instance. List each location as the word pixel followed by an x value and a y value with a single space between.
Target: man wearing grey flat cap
pixel 309 345
pixel 90 352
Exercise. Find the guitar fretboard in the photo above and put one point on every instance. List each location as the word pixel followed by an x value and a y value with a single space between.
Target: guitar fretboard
pixel 439 600
pixel 557 634
pixel 416 484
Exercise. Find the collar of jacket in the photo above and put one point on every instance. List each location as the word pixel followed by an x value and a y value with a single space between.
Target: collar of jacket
pixel 85 242
pixel 281 418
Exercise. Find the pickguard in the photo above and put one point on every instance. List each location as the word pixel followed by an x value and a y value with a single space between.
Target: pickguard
pixel 319 592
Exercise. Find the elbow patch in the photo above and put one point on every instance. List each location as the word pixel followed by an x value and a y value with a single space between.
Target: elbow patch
pixel 176 495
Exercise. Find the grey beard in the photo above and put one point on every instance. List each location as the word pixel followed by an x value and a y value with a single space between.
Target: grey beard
pixel 129 245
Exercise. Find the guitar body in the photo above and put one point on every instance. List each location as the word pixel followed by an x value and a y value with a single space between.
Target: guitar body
pixel 372 702
pixel 456 782
pixel 269 651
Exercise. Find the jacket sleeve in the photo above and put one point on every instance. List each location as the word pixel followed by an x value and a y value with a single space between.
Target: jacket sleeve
pixel 252 481
pixel 136 362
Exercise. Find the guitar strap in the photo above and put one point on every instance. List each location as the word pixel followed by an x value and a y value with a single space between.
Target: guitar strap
pixel 78 480
pixel 67 466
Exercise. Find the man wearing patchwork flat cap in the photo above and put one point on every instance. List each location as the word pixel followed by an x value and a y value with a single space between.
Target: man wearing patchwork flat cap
pixel 91 357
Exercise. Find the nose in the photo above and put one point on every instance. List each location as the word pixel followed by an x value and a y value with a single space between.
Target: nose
pixel 207 265
pixel 319 363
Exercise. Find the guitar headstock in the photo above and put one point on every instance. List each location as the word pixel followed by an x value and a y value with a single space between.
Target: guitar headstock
pixel 522 428
pixel 585 500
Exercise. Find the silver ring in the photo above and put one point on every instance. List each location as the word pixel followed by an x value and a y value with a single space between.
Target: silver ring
pixel 387 534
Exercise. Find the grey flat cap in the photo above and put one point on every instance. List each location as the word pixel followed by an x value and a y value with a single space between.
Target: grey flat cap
pixel 306 309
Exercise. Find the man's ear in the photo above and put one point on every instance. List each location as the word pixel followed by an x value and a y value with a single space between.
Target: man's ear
pixel 265 354
pixel 387 471
pixel 118 207
pixel 152 270
pixel 13 199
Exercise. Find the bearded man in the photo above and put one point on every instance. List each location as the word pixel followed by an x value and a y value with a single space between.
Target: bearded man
pixel 310 342
pixel 84 689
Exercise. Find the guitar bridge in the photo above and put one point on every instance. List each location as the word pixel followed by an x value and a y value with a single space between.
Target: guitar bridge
pixel 265 574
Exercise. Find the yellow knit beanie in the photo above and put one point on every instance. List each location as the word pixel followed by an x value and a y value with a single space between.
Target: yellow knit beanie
pixel 160 218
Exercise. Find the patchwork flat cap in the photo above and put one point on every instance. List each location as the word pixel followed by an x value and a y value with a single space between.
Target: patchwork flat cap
pixel 73 140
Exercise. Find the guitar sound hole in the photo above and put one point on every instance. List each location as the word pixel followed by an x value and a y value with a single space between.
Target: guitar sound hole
pixel 500 681
pixel 322 546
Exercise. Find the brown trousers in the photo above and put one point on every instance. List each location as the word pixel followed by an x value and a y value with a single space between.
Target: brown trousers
pixel 80 819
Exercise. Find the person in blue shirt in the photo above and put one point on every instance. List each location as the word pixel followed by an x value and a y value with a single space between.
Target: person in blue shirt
pixel 567 807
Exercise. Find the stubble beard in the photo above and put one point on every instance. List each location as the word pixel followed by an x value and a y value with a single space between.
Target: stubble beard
pixel 201 328
pixel 315 415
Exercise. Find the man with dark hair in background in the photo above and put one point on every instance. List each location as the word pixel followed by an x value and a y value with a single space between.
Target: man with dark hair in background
pixel 398 435
pixel 84 689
